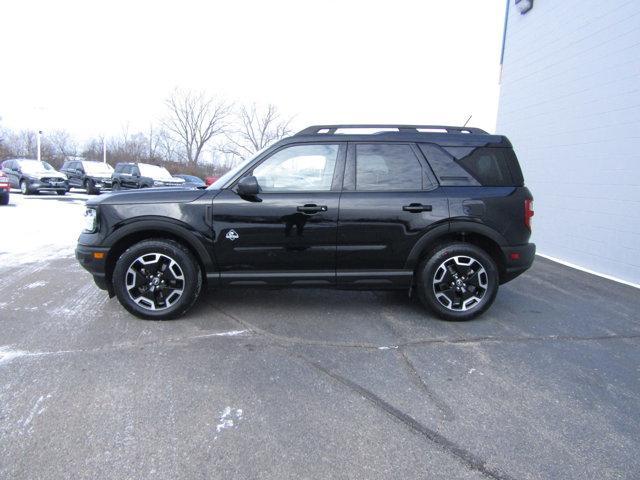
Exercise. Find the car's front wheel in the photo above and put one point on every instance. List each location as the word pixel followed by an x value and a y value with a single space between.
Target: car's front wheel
pixel 24 188
pixel 115 186
pixel 89 187
pixel 157 279
pixel 458 281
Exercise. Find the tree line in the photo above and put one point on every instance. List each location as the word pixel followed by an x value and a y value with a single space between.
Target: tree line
pixel 199 134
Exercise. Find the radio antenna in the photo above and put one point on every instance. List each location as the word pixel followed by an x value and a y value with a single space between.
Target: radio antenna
pixel 465 123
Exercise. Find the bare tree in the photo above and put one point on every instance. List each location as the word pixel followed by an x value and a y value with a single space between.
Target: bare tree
pixel 194 119
pixel 63 145
pixel 254 129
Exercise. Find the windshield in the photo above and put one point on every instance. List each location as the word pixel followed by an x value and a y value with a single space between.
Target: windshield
pixel 155 172
pixel 219 183
pixel 97 168
pixel 35 166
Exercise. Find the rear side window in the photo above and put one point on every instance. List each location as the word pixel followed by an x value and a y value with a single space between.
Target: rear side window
pixel 469 166
pixel 387 167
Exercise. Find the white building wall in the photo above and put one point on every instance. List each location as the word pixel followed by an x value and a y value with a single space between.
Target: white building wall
pixel 570 104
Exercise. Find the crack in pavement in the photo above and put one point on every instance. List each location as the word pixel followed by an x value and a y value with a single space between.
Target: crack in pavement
pixel 424 341
pixel 465 456
pixel 445 410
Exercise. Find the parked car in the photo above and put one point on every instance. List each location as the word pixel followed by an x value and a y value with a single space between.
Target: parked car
pixel 210 180
pixel 441 212
pixel 5 189
pixel 142 175
pixel 33 176
pixel 94 177
pixel 191 181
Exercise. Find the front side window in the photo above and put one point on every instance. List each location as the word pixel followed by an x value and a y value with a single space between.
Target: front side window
pixel 298 168
pixel 387 167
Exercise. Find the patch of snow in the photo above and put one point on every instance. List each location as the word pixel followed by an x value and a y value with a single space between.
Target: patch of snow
pixel 6 355
pixel 43 227
pixel 388 348
pixel 39 283
pixel 230 333
pixel 228 419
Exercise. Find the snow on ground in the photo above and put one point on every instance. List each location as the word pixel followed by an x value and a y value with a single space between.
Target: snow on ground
pixel 38 227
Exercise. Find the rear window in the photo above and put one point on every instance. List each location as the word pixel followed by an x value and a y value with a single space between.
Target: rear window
pixel 469 166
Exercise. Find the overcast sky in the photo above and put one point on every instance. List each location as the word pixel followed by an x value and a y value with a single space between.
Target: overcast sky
pixel 92 67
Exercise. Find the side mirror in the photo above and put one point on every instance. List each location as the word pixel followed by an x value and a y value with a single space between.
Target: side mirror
pixel 248 186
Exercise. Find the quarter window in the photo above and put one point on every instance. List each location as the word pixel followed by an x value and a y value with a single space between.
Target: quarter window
pixel 384 167
pixel 298 168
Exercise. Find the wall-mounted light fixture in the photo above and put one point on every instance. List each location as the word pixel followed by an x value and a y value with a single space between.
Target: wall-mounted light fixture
pixel 524 5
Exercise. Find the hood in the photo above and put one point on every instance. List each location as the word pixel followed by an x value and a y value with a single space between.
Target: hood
pixel 147 195
pixel 44 173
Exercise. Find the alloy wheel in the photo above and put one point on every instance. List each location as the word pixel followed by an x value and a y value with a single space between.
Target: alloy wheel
pixel 155 281
pixel 460 283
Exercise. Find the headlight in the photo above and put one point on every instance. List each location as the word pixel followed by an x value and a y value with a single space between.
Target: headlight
pixel 158 183
pixel 90 220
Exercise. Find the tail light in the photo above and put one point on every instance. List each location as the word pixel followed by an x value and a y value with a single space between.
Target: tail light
pixel 528 212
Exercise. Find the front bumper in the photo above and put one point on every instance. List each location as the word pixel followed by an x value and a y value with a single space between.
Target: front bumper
pixel 518 260
pixel 39 184
pixel 86 256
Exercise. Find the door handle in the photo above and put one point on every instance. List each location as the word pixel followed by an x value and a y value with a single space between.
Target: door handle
pixel 417 207
pixel 312 208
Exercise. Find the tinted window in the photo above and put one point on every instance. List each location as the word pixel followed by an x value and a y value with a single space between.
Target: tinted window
pixel 298 168
pixel 448 171
pixel 487 166
pixel 387 167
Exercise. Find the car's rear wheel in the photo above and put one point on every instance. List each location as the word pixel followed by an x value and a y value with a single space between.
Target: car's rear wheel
pixel 4 198
pixel 61 192
pixel 458 281
pixel 157 279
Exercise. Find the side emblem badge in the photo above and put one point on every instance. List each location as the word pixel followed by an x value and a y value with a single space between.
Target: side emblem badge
pixel 232 235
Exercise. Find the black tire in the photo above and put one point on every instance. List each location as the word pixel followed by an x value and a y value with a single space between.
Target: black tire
pixel 115 187
pixel 190 284
pixel 4 198
pixel 61 192
pixel 88 186
pixel 461 301
pixel 25 189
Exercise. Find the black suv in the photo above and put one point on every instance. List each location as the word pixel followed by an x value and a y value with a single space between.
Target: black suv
pixel 439 211
pixel 94 177
pixel 34 176
pixel 142 175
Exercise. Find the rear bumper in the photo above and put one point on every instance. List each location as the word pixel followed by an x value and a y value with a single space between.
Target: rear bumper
pixel 95 266
pixel 518 259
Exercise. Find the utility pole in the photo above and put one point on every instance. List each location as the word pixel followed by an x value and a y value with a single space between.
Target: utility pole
pixel 104 149
pixel 39 142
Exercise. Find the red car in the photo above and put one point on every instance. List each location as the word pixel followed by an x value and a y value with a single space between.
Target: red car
pixel 4 189
pixel 209 180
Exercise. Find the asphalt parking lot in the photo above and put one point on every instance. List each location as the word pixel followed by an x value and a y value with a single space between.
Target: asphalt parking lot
pixel 316 383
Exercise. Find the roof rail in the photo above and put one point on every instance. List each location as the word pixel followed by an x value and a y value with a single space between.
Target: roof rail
pixel 331 129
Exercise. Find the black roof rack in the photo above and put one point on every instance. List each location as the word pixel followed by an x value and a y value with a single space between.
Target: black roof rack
pixel 331 129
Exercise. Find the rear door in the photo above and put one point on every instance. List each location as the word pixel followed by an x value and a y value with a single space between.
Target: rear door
pixel 286 235
pixel 390 199
pixel 126 178
pixel 8 167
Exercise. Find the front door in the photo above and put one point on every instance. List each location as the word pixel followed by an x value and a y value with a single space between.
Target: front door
pixel 285 235
pixel 390 200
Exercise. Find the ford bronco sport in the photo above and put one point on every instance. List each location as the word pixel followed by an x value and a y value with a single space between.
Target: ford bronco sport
pixel 438 211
